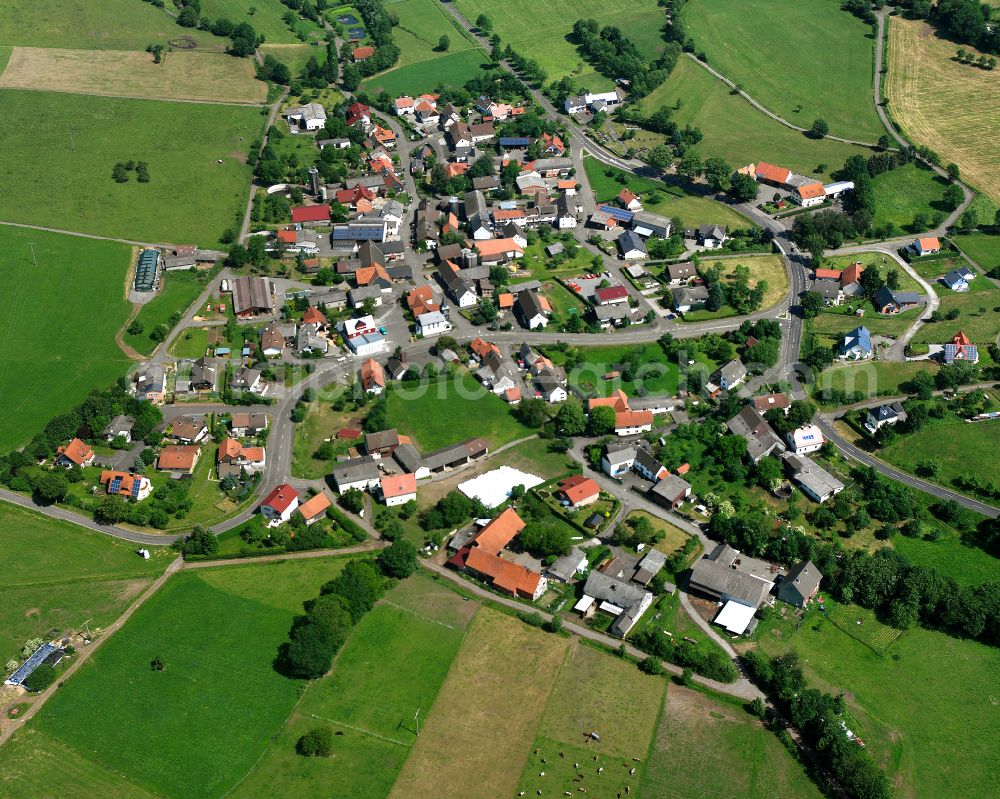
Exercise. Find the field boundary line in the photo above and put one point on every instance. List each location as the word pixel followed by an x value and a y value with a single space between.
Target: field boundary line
pixel 134 97
pixel 414 613
pixel 253 768
pixel 362 730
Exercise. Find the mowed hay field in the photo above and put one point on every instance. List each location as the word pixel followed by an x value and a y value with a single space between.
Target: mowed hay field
pixel 926 708
pixel 763 47
pixel 421 24
pixel 707 749
pixel 392 665
pixel 738 132
pixel 181 76
pixel 540 30
pixel 57 152
pixel 46 370
pixel 594 692
pixel 476 740
pixel 952 108
pixel 199 726
pixel 56 575
pixel 266 18
pixel 94 24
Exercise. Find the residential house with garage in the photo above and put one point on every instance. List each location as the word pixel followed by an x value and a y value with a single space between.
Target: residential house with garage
pixel 578 491
pixel 125 484
pixel 233 457
pixel 800 585
pixel 279 505
pixel 689 298
pixel 75 453
pixel 178 458
pixel 314 508
pixel 360 473
pixel 856 345
pixel 878 417
pixel 815 481
pixel 888 301
pixel 617 598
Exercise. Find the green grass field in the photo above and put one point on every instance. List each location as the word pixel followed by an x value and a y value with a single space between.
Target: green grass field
pixel 178 291
pixel 904 192
pixel 674 201
pixel 393 663
pixel 874 377
pixel 421 25
pixel 968 565
pixel 295 56
pixel 762 48
pixel 833 325
pixel 593 692
pixel 45 371
pixel 767 268
pixel 56 575
pixel 982 248
pixel 266 19
pixel 451 410
pixel 925 710
pixel 712 749
pixel 82 24
pixel 660 375
pixel 196 728
pixel 739 133
pixel 192 343
pixel 961 447
pixel 191 198
pixel 450 70
pixel 35 764
pixel 540 31
pixel 978 316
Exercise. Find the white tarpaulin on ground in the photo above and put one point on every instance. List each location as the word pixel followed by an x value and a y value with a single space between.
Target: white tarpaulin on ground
pixel 494 487
pixel 735 617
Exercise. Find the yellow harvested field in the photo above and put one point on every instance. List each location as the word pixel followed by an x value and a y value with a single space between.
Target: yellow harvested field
pixel 121 73
pixel 952 108
pixel 477 736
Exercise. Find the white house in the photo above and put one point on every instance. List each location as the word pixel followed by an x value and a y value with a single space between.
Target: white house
pixel 926 246
pixel 432 323
pixel 360 473
pixel 311 116
pixel 398 489
pixel 805 439
pixel 618 459
pixel 632 423
pixel 362 336
pixel 279 505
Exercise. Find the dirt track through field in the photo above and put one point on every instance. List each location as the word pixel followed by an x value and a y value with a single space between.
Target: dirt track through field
pixel 952 108
pixel 192 76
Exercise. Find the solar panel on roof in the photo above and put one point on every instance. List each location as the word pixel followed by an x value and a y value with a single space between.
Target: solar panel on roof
pixel 116 483
pixel 617 213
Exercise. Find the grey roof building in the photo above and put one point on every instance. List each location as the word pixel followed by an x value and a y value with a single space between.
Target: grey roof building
pixel 121 425
pixel 714 577
pixel 565 568
pixel 616 595
pixel 815 481
pixel 754 429
pixel 800 584
pixel 688 297
pixel 649 566
pixel 670 491
pixel 355 473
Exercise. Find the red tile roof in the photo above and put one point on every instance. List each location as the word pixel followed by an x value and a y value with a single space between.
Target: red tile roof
pixel 930 243
pixel 609 293
pixel 76 451
pixel 499 532
pixel 312 508
pixel 777 174
pixel 281 498
pixel 578 488
pixel 618 400
pixel 398 485
pixel 633 419
pixel 361 53
pixel 810 191
pixel 371 374
pixel 512 395
pixel 508 576
pixel 348 432
pixel 178 456
pixel 833 274
pixel 287 236
pixel 482 348
pixel 311 213
pixel 852 274
pixel 314 316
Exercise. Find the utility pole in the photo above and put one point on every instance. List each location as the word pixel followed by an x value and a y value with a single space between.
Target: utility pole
pixel 34 260
pixel 86 626
pixel 416 720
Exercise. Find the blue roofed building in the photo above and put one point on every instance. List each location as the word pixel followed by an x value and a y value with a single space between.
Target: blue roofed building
pixel 615 212
pixel 33 662
pixel 857 345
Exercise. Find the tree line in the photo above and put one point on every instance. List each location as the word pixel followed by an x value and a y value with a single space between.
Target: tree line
pixel 317 635
pixel 965 21
pixel 820 718
pixel 617 57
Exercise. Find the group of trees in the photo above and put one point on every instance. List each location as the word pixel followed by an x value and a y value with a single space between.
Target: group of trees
pixel 885 582
pixel 379 25
pixel 964 56
pixel 122 168
pixel 965 21
pixel 243 39
pixel 710 662
pixel 317 635
pixel 736 291
pixel 452 510
pixel 819 718
pixel 616 56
